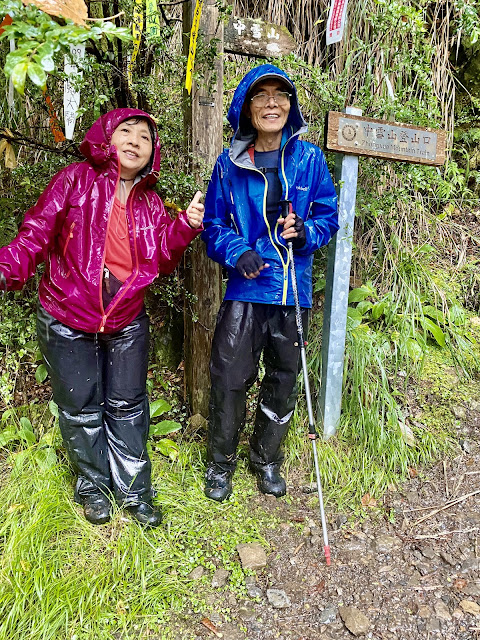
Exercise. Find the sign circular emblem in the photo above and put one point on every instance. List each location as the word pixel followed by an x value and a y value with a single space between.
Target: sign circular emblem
pixel 348 132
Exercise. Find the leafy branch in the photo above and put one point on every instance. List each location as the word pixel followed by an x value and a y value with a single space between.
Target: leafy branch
pixel 39 38
pixel 18 138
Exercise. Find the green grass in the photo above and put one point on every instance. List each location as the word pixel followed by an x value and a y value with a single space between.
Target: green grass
pixel 62 578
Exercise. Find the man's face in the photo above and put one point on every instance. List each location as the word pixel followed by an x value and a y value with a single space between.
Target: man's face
pixel 133 142
pixel 266 114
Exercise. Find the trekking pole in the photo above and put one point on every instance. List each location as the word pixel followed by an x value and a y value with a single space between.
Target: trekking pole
pixel 312 431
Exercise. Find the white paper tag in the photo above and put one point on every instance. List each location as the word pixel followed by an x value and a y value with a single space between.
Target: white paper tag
pixel 71 97
pixel 337 19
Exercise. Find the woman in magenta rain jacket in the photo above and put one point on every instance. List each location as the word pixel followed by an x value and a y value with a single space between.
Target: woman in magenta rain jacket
pixel 92 326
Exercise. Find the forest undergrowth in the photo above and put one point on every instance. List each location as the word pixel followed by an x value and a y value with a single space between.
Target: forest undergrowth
pixel 412 336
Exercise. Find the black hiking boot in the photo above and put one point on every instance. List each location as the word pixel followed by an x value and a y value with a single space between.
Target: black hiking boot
pixel 269 480
pixel 145 513
pixel 218 484
pixel 97 508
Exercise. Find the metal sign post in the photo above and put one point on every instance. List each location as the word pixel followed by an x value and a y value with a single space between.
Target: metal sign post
pixel 336 292
pixel 354 135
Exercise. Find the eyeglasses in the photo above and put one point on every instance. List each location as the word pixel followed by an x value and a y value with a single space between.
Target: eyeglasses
pixel 281 98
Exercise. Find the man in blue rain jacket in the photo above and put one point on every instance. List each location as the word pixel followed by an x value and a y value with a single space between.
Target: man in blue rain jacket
pixel 269 188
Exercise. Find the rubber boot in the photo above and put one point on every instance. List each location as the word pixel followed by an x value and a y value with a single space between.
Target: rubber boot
pixel 218 483
pixel 269 480
pixel 145 513
pixel 97 508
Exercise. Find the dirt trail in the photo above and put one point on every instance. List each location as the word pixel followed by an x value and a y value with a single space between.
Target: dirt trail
pixel 414 575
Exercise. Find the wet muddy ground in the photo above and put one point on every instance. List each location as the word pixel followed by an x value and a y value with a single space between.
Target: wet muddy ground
pixel 409 572
pixel 412 573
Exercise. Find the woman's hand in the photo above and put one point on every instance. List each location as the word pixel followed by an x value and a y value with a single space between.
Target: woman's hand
pixel 195 211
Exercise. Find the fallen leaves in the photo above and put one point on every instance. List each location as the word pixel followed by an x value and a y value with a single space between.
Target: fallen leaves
pixel 75 10
pixel 460 584
pixel 211 627
pixel 318 588
pixel 368 501
pixel 7 148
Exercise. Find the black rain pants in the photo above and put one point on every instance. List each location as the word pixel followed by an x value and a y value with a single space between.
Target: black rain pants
pixel 99 385
pixel 244 330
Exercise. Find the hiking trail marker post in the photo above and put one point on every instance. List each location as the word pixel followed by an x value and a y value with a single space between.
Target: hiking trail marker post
pixel 351 135
pixel 203 117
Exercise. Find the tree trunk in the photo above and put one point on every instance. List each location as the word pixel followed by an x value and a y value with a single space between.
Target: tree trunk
pixel 203 114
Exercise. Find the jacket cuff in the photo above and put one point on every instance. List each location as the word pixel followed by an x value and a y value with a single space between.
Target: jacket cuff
pixel 182 215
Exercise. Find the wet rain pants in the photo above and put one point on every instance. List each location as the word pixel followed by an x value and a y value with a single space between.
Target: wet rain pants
pixel 244 330
pixel 99 385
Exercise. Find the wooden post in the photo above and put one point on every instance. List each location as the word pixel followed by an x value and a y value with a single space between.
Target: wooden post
pixel 203 115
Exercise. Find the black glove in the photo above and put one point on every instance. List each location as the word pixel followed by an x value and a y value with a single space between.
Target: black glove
pixel 3 284
pixel 249 262
pixel 300 240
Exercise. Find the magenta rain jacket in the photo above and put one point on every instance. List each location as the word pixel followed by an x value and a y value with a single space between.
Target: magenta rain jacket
pixel 67 229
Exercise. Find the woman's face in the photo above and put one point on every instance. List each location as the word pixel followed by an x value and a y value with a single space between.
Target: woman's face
pixel 269 118
pixel 133 142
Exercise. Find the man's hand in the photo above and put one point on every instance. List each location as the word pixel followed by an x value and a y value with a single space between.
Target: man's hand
pixel 250 264
pixel 293 230
pixel 195 211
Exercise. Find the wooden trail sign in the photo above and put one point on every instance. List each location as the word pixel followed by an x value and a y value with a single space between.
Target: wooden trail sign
pixel 203 117
pixel 384 139
pixel 352 135
pixel 257 38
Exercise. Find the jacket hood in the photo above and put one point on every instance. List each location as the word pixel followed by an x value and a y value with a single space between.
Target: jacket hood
pixel 241 124
pixel 96 145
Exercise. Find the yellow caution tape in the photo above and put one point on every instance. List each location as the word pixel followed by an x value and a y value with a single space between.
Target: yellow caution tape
pixel 137 28
pixel 172 205
pixel 193 45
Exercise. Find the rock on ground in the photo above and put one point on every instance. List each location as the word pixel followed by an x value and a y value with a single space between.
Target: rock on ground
pixel 410 571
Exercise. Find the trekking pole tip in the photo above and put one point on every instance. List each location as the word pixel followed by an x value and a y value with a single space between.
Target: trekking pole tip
pixel 326 550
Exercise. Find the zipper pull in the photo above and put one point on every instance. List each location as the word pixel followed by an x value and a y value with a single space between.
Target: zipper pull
pixel 102 326
pixel 106 279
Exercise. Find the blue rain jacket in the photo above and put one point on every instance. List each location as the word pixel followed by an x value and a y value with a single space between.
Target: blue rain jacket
pixel 235 205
